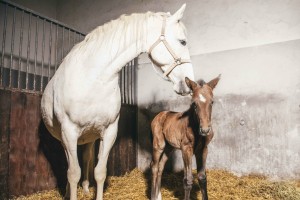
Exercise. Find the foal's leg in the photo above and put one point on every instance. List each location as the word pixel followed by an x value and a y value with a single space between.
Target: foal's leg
pixel 87 164
pixel 155 167
pixel 106 143
pixel 69 138
pixel 158 149
pixel 187 154
pixel 201 155
pixel 161 166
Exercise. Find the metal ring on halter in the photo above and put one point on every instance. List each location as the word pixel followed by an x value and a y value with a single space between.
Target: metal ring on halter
pixel 162 38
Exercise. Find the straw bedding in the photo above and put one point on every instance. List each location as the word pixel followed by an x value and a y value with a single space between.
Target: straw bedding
pixel 222 185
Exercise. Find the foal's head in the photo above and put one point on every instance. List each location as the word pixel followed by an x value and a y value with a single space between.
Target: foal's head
pixel 202 97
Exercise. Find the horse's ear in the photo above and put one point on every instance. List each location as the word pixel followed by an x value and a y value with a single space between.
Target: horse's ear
pixel 191 84
pixel 179 13
pixel 212 84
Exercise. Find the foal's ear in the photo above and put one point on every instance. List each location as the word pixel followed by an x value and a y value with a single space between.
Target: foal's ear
pixel 212 84
pixel 179 13
pixel 191 84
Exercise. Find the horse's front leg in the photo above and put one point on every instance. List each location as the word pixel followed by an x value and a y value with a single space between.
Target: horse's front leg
pixel 201 155
pixel 69 139
pixel 106 144
pixel 187 154
pixel 201 174
pixel 88 163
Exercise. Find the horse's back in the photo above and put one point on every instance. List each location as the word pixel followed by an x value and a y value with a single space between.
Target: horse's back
pixel 167 125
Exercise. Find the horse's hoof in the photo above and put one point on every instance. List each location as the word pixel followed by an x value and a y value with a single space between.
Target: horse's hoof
pixel 85 186
pixel 159 196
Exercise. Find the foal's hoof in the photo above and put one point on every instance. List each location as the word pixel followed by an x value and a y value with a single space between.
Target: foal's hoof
pixel 159 196
pixel 85 186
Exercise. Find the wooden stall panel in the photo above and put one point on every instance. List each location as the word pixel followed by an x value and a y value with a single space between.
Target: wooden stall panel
pixel 32 160
pixel 122 157
pixel 28 167
pixel 4 141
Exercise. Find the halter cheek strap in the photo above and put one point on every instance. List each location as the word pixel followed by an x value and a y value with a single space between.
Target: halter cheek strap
pixel 162 38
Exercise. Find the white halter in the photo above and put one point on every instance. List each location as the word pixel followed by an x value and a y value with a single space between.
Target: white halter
pixel 162 38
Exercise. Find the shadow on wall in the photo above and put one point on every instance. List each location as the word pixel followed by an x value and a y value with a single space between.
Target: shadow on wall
pixel 122 157
pixel 55 155
pixel 253 134
pixel 145 116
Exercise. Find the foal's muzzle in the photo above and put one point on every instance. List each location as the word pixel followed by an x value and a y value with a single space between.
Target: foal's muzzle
pixel 204 131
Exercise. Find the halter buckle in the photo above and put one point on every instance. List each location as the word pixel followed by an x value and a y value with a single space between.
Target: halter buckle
pixel 162 37
pixel 178 61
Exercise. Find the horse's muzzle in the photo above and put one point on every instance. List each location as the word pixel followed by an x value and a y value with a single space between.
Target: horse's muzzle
pixel 204 131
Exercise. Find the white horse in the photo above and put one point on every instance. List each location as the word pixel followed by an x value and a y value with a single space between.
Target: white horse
pixel 82 101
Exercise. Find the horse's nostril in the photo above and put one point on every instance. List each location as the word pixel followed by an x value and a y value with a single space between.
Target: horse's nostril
pixel 205 130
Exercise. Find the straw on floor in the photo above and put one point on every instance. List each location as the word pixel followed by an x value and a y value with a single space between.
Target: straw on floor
pixel 222 185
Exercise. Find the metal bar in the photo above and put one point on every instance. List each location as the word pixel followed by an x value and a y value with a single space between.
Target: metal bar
pixel 36 14
pixel 126 83
pixel 132 82
pixel 50 51
pixel 3 46
pixel 28 51
pixel 56 47
pixel 123 85
pixel 69 41
pixel 35 51
pixel 43 52
pixel 74 41
pixel 134 78
pixel 12 47
pixel 62 46
pixel 129 82
pixel 20 49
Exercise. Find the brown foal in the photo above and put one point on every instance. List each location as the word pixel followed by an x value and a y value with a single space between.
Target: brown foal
pixel 189 131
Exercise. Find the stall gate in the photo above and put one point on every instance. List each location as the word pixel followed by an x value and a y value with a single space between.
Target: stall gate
pixel 32 47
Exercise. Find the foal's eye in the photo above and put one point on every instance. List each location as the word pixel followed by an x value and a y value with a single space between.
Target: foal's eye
pixel 212 102
pixel 182 42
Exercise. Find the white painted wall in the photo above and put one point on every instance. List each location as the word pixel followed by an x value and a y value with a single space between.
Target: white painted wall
pixel 255 45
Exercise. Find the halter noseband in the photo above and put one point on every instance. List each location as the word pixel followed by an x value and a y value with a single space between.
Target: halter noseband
pixel 162 38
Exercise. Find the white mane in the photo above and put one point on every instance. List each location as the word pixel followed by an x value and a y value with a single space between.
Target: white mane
pixel 113 37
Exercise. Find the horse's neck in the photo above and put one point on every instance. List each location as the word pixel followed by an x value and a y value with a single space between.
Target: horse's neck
pixel 129 44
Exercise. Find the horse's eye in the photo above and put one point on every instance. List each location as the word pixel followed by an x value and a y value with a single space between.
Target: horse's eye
pixel 212 102
pixel 182 42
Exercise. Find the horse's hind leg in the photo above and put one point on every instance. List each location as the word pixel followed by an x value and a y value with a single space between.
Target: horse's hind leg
pixel 69 138
pixel 88 154
pixel 155 186
pixel 161 166
pixel 158 149
pixel 106 143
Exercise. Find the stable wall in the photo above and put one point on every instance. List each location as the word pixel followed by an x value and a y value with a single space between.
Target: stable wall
pixel 255 46
pixel 256 114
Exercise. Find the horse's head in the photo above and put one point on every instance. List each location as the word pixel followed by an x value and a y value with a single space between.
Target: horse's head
pixel 202 102
pixel 168 50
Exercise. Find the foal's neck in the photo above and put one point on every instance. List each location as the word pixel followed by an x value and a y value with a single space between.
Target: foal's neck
pixel 193 120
